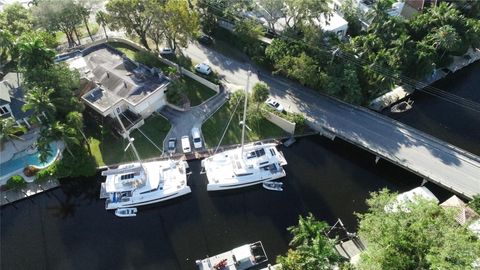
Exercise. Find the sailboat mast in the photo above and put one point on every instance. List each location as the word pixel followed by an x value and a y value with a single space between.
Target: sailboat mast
pixel 128 135
pixel 245 110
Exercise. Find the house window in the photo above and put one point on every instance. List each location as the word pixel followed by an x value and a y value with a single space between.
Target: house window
pixel 4 110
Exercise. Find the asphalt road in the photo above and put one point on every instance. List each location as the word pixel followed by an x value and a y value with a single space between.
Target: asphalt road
pixel 435 160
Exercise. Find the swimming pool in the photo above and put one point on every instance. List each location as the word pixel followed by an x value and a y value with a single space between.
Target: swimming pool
pixel 22 159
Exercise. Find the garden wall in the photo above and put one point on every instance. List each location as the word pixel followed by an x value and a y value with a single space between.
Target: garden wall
pixel 281 122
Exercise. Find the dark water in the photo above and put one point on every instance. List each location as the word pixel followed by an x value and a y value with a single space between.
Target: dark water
pixel 68 228
pixel 450 122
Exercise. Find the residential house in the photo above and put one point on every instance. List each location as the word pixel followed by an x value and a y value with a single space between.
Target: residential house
pixel 12 99
pixel 119 87
pixel 333 23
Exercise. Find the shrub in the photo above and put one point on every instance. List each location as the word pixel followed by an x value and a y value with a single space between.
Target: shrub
pixel 16 182
pixel 30 171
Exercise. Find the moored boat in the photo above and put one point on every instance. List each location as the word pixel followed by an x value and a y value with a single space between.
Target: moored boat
pixel 240 258
pixel 246 165
pixel 272 185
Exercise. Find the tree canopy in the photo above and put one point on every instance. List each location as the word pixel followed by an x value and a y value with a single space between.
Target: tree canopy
pixel 312 250
pixel 425 237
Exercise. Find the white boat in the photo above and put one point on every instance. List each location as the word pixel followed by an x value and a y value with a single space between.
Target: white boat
pixel 272 185
pixel 236 168
pixel 402 106
pixel 244 166
pixel 138 183
pixel 240 258
pixel 126 212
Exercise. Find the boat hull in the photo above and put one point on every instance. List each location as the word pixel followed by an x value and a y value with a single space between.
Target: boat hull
pixel 241 184
pixel 150 200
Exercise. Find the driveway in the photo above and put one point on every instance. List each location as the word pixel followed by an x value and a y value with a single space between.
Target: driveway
pixel 183 121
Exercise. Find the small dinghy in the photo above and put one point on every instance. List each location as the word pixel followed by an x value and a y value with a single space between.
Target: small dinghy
pixel 275 186
pixel 126 212
pixel 402 106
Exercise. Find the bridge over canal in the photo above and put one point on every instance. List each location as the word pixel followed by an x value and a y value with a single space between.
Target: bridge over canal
pixel 437 161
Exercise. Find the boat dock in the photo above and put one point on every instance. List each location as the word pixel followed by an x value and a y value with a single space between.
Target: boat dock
pixel 401 92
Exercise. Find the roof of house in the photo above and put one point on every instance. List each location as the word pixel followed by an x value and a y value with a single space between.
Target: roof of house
pixel 465 214
pixel 117 78
pixel 12 94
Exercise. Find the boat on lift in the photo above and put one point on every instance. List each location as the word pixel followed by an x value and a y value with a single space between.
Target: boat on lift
pixel 126 212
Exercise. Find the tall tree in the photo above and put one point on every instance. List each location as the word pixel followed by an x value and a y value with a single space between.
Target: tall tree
pixel 133 16
pixel 34 54
pixel 75 120
pixel 9 131
pixel 84 8
pixel 6 47
pixel 299 12
pixel 444 38
pixel 16 19
pixel 273 10
pixel 38 100
pixel 312 249
pixel 101 18
pixel 260 93
pixel 181 23
pixel 59 15
pixel 425 237
pixel 59 131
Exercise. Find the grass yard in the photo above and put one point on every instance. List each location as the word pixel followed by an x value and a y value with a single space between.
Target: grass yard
pixel 108 148
pixel 196 92
pixel 213 128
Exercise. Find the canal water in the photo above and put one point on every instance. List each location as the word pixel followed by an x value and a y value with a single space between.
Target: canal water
pixel 68 228
pixel 447 121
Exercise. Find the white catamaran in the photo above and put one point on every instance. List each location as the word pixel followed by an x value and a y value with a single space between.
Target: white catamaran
pixel 246 165
pixel 139 183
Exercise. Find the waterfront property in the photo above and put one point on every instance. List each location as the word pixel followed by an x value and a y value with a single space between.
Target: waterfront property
pixel 118 83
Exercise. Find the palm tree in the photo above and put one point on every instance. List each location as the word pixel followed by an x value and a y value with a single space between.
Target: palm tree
pixel 60 131
pixel 313 250
pixel 34 53
pixel 444 38
pixel 75 120
pixel 9 131
pixel 84 9
pixel 38 100
pixel 6 45
pixel 101 18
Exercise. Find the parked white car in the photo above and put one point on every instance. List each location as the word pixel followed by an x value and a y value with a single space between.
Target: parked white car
pixel 274 104
pixel 186 144
pixel 203 68
pixel 166 51
pixel 197 139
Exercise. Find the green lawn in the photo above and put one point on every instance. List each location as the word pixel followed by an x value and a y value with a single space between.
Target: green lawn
pixel 197 93
pixel 213 129
pixel 108 148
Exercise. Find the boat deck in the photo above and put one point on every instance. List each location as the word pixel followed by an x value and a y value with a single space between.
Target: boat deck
pixel 240 258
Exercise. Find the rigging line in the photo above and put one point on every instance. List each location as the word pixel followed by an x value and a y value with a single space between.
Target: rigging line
pixel 161 150
pixel 228 124
pixel 443 95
